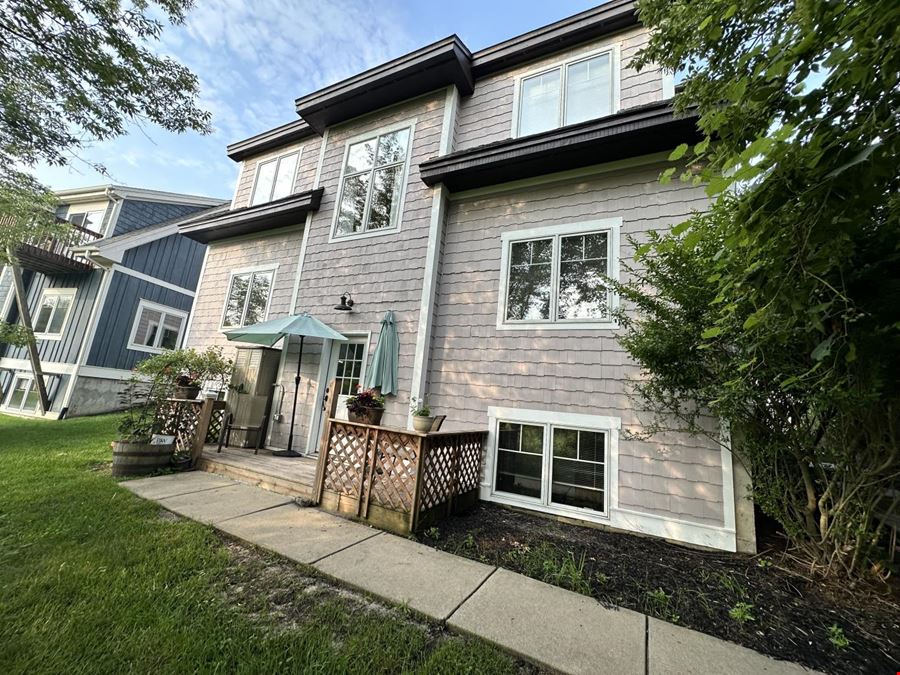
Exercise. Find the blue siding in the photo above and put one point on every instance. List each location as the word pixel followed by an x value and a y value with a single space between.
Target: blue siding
pixel 64 350
pixel 110 348
pixel 175 259
pixel 136 214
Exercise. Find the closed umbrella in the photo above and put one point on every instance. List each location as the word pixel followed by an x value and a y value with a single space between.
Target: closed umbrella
pixel 383 372
pixel 269 332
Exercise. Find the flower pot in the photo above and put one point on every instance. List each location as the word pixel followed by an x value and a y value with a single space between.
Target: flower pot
pixel 368 416
pixel 189 393
pixel 181 463
pixel 140 459
pixel 422 423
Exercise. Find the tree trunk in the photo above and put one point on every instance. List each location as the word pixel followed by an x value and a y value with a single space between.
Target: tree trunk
pixel 33 355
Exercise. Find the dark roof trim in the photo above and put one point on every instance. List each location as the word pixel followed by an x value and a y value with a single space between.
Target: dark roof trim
pixel 609 17
pixel 635 132
pixel 439 64
pixel 269 140
pixel 252 219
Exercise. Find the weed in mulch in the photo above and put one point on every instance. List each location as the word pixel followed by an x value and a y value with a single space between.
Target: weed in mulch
pixel 763 602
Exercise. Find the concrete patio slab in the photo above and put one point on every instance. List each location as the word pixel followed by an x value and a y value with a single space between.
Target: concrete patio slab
pixel 429 581
pixel 160 487
pixel 676 650
pixel 559 629
pixel 302 534
pixel 216 505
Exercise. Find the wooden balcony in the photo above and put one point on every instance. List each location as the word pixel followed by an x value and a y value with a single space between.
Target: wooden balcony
pixel 52 255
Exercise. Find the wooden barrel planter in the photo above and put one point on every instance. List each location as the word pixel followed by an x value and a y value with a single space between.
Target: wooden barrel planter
pixel 140 459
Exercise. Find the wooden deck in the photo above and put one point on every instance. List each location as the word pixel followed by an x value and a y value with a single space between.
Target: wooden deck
pixel 292 476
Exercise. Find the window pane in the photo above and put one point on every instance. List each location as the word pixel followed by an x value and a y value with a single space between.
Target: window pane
pixel 265 176
pixel 588 90
pixel 44 314
pixel 392 147
pixel 385 197
pixel 148 326
pixel 528 296
pixel 77 219
pixel 520 472
pixel 353 204
pixel 259 298
pixel 539 105
pixel 592 446
pixel 361 156
pixel 32 398
pixel 583 293
pixel 237 296
pixel 18 393
pixel 565 443
pixel 63 303
pixel 284 179
pixel 171 330
pixel 579 482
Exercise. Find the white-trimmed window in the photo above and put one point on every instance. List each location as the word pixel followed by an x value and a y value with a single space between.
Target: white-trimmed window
pixel 553 461
pixel 156 328
pixel 372 182
pixel 23 395
pixel 274 178
pixel 91 220
pixel 568 93
pixel 53 312
pixel 557 276
pixel 247 302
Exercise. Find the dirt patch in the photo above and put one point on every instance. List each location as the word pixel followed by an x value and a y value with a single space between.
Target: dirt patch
pixel 285 596
pixel 763 602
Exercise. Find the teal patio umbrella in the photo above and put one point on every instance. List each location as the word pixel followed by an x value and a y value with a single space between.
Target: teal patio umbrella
pixel 269 332
pixel 383 372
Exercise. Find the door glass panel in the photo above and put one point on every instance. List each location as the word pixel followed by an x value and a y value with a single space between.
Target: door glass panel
pixel 579 471
pixel 528 295
pixel 588 90
pixel 349 367
pixel 520 459
pixel 539 107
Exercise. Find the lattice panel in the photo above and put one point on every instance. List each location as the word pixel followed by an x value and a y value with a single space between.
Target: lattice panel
pixel 346 458
pixel 470 457
pixel 179 419
pixel 215 425
pixel 394 475
pixel 452 467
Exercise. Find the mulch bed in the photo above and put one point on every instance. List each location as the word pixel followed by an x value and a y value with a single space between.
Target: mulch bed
pixel 765 602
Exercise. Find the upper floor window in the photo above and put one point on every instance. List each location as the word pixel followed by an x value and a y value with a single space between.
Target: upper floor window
pixel 573 92
pixel 274 178
pixel 556 277
pixel 247 302
pixel 372 183
pixel 92 220
pixel 156 328
pixel 53 312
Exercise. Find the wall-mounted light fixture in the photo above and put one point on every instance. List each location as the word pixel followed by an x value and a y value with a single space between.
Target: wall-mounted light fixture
pixel 346 304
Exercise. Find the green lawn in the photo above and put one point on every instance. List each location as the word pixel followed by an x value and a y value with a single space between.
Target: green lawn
pixel 95 579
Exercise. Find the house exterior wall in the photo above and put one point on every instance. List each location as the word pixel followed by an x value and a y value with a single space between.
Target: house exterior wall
pixel 136 214
pixel 475 365
pixel 487 115
pixel 175 259
pixel 306 169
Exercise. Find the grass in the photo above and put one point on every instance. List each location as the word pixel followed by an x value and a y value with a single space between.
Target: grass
pixel 95 579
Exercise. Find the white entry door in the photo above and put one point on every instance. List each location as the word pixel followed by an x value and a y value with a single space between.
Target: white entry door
pixel 347 369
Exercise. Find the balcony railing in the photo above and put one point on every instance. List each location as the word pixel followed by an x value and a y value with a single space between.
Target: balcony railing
pixel 54 255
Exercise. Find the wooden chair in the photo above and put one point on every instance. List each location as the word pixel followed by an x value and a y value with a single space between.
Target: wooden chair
pixel 438 421
pixel 228 426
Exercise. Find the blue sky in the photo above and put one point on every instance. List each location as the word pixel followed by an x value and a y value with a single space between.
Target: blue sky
pixel 254 57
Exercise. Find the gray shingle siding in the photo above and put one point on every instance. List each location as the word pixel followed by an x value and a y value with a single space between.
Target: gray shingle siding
pixel 136 214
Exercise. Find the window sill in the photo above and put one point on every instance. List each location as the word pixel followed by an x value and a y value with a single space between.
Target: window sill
pixel 48 336
pixel 146 350
pixel 573 325
pixel 335 239
pixel 552 509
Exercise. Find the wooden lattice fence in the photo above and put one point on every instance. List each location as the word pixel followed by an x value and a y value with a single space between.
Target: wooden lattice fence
pixel 193 423
pixel 397 479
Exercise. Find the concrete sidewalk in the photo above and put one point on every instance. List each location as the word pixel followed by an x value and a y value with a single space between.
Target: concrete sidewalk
pixel 561 630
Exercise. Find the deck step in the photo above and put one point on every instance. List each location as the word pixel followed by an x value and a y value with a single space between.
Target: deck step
pixel 249 476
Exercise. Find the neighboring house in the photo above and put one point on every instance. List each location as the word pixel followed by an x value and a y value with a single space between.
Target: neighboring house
pixel 120 293
pixel 481 197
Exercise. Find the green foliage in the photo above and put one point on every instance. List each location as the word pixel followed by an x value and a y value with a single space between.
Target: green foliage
pixel 433 533
pixel 418 407
pixel 742 612
pixel 188 367
pixel 837 638
pixel 552 565
pixel 15 334
pixel 365 399
pixel 778 311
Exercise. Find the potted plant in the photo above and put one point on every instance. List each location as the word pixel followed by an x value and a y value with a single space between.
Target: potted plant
pixel 217 371
pixel 187 386
pixel 366 407
pixel 137 451
pixel 422 418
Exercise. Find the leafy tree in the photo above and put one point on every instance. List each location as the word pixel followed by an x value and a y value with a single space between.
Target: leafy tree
pixel 74 72
pixel 779 310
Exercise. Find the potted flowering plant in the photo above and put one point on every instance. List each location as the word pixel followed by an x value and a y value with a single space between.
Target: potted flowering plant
pixel 422 418
pixel 366 407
